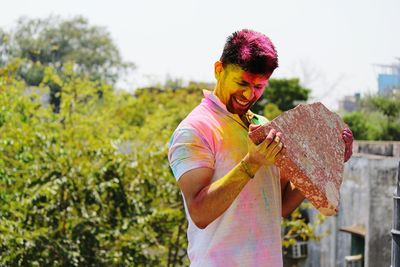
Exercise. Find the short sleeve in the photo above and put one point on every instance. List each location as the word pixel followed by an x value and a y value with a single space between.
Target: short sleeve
pixel 189 150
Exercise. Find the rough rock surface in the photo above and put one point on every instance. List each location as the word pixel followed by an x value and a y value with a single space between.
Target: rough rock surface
pixel 312 157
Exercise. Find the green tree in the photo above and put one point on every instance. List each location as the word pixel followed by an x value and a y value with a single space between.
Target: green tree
pixel 378 118
pixel 271 111
pixel 90 185
pixel 284 93
pixel 54 42
pixel 364 126
pixel 4 40
pixel 389 106
pixel 298 226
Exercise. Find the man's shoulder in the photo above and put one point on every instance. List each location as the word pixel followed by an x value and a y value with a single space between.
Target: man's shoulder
pixel 200 118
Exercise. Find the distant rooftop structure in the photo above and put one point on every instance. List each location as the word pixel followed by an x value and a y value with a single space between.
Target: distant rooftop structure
pixel 388 77
pixel 350 103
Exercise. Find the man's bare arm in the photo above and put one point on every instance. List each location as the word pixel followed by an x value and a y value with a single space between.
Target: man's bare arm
pixel 291 197
pixel 206 201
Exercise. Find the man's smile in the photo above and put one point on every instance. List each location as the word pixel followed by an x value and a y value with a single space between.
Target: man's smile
pixel 241 102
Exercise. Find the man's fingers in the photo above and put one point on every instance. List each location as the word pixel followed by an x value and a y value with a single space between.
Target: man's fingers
pixel 271 135
pixel 347 130
pixel 269 139
pixel 349 135
pixel 270 147
pixel 275 146
pixel 347 140
pixel 278 148
pixel 254 127
pixel 277 139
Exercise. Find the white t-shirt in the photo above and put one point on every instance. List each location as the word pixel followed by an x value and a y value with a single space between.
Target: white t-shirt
pixel 248 233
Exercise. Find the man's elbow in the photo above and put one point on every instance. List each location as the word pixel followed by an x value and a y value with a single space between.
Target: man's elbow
pixel 286 214
pixel 198 216
pixel 288 209
pixel 201 225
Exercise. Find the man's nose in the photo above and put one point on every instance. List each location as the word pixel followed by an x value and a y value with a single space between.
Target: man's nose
pixel 249 93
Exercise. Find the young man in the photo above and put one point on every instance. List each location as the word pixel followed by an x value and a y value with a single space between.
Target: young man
pixel 233 195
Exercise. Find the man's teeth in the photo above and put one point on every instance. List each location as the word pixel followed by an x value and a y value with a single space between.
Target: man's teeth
pixel 244 103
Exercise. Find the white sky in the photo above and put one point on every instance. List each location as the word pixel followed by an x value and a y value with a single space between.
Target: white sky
pixel 330 44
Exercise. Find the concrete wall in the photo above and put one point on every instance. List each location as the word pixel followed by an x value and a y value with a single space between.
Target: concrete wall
pixel 366 198
pixel 382 186
pixel 383 148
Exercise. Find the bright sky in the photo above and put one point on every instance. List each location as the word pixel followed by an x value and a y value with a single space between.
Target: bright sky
pixel 330 44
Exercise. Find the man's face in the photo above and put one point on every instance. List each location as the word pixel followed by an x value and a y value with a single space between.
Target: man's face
pixel 238 89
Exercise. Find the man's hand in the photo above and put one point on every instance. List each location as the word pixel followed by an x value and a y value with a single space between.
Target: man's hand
pixel 266 152
pixel 347 136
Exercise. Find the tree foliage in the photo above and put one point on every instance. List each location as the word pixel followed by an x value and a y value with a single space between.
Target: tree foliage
pixel 271 111
pixel 4 38
pixel 299 227
pixel 284 93
pixel 378 118
pixel 90 185
pixel 54 42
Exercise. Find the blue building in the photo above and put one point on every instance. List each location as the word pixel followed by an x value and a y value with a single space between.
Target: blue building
pixel 389 78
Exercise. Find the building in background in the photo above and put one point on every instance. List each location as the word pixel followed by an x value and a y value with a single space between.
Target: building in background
pixel 360 233
pixel 388 78
pixel 350 103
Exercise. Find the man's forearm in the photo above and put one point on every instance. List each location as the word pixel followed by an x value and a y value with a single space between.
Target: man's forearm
pixel 291 199
pixel 215 199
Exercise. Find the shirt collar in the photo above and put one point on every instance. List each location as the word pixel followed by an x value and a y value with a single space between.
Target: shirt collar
pixel 216 102
pixel 209 95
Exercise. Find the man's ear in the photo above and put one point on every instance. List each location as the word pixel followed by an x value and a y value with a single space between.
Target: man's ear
pixel 218 69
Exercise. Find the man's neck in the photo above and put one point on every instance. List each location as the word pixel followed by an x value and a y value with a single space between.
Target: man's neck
pixel 246 118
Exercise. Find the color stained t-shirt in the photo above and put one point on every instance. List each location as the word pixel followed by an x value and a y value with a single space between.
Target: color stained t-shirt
pixel 248 233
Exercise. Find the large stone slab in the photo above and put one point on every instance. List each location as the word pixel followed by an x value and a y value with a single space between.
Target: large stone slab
pixel 313 152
